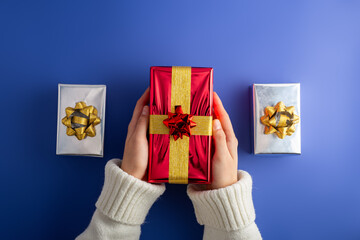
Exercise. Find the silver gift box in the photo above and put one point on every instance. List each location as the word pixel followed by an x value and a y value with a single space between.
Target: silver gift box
pixel 68 96
pixel 269 95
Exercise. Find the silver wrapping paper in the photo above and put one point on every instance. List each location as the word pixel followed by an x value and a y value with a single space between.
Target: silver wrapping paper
pixel 68 96
pixel 268 95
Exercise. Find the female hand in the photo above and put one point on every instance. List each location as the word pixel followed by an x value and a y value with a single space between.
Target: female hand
pixel 136 152
pixel 225 159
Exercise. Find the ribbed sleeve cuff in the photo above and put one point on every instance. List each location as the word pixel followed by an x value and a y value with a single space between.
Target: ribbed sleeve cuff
pixel 125 198
pixel 229 208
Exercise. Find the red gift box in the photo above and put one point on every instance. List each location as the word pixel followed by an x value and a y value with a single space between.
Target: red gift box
pixel 180 128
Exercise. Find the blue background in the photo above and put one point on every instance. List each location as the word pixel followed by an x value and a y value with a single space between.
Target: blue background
pixel 315 195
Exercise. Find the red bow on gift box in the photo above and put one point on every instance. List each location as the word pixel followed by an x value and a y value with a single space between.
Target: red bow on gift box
pixel 179 123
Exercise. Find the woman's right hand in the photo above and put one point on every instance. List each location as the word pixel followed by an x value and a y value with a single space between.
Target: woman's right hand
pixel 225 159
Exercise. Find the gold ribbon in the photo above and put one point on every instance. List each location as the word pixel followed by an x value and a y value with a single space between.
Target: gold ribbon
pixel 179 150
pixel 81 120
pixel 280 120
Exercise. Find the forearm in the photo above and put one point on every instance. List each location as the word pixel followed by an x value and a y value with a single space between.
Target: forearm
pixel 227 213
pixel 251 232
pixel 103 227
pixel 122 206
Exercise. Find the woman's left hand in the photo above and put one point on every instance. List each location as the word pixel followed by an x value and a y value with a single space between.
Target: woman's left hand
pixel 136 152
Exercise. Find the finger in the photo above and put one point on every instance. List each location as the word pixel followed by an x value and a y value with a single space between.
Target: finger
pixel 142 124
pixel 224 118
pixel 221 148
pixel 143 100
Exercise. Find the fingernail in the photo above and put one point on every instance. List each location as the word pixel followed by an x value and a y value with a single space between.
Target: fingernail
pixel 145 110
pixel 217 124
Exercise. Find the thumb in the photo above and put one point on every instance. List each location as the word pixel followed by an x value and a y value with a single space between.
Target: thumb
pixel 219 139
pixel 142 123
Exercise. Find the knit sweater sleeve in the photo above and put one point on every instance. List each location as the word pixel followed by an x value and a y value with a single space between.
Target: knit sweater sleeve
pixel 122 206
pixel 227 213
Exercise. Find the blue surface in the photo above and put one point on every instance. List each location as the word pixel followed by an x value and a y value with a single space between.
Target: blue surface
pixel 312 196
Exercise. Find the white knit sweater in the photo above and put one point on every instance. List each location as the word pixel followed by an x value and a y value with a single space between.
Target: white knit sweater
pixel 227 213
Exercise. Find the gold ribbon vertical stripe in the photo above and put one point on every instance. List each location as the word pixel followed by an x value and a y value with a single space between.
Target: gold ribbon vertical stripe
pixel 179 160
pixel 181 88
pixel 179 150
pixel 203 127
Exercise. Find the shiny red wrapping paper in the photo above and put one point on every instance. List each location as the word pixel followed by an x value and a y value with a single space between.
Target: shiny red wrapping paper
pixel 201 105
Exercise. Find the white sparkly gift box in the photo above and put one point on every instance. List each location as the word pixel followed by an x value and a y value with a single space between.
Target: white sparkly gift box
pixel 269 95
pixel 68 96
